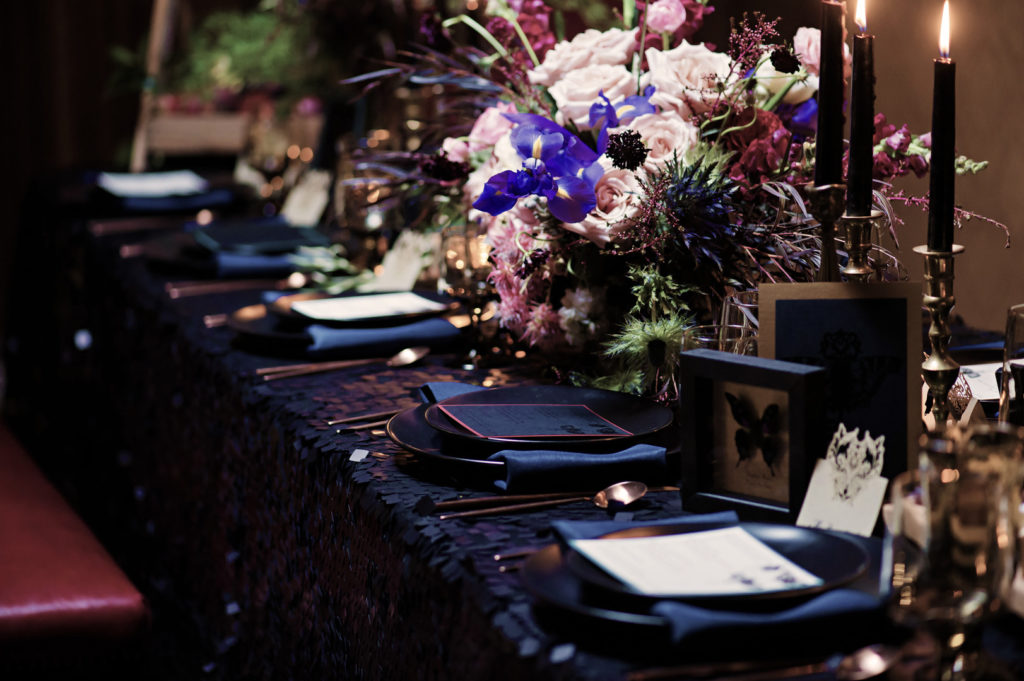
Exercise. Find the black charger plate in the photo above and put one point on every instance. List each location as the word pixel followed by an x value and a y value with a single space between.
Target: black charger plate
pixel 410 431
pixel 640 417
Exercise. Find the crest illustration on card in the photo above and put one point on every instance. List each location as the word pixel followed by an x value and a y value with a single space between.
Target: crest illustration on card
pixel 855 460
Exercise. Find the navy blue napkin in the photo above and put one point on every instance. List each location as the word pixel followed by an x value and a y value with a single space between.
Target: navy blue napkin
pixel 252 265
pixel 434 332
pixel 171 204
pixel 543 469
pixel 435 391
pixel 837 610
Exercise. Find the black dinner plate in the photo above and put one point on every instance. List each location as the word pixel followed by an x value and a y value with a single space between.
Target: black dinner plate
pixel 282 308
pixel 834 559
pixel 178 252
pixel 546 577
pixel 410 431
pixel 640 417
pixel 252 324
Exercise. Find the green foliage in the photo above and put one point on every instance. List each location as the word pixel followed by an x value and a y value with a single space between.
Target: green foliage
pixel 965 166
pixel 233 50
pixel 656 295
pixel 649 349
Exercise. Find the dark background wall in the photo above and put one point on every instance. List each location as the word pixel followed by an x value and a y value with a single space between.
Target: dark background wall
pixel 58 112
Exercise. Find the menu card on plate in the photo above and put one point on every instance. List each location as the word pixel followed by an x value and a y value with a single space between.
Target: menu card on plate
pixel 723 562
pixel 532 420
pixel 353 308
pixel 173 183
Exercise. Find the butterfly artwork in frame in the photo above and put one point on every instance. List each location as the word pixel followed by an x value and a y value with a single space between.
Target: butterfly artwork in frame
pixel 751 441
pixel 751 431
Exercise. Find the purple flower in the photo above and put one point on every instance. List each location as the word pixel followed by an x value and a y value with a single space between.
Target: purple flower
pixel 556 165
pixel 604 115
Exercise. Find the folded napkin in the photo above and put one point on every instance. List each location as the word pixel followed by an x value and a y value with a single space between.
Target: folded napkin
pixel 436 391
pixel 173 204
pixel 231 265
pixel 434 332
pixel 544 469
pixel 839 610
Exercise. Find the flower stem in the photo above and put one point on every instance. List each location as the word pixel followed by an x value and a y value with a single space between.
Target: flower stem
pixel 514 20
pixel 628 13
pixel 777 97
pixel 643 40
pixel 484 33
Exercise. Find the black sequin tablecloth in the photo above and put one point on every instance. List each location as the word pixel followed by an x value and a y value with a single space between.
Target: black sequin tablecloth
pixel 295 554
pixel 293 551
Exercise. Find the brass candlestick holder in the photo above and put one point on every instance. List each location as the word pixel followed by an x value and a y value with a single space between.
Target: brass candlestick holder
pixel 939 369
pixel 826 207
pixel 858 244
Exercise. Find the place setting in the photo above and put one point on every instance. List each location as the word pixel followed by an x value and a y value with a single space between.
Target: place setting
pixel 536 438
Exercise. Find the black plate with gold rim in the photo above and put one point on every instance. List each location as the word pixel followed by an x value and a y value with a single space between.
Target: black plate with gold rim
pixel 410 431
pixel 642 418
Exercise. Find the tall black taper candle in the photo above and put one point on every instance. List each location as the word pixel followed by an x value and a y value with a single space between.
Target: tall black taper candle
pixel 862 122
pixel 941 187
pixel 828 165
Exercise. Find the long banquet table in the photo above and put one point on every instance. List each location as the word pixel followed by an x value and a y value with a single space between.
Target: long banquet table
pixel 230 498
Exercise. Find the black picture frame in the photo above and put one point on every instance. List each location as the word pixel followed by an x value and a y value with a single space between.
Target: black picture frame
pixel 867 336
pixel 708 418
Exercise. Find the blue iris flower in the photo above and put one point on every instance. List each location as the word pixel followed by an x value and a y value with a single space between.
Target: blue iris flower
pixel 556 165
pixel 604 115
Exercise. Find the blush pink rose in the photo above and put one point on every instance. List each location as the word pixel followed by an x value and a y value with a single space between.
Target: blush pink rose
pixel 807 46
pixel 665 16
pixel 491 126
pixel 618 200
pixel 684 77
pixel 455 149
pixel 577 90
pixel 665 134
pixel 590 47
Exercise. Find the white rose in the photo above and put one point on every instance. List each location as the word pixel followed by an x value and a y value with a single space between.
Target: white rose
pixel 771 81
pixel 613 46
pixel 618 199
pixel 684 77
pixel 577 91
pixel 665 134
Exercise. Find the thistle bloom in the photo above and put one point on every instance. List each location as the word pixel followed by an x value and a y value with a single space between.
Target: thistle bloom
pixel 556 165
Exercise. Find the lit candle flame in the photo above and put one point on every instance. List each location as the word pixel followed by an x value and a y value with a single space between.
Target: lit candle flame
pixel 944 32
pixel 861 16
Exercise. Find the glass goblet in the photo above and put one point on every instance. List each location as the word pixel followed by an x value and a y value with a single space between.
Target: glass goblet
pixel 723 337
pixel 464 270
pixel 1011 379
pixel 951 543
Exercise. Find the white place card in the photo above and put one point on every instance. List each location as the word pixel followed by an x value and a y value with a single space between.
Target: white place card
pixel 981 378
pixel 727 561
pixel 306 202
pixel 138 185
pixel 354 308
pixel 404 262
pixel 825 509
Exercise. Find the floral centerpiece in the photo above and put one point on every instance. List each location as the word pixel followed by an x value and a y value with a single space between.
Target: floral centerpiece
pixel 628 178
